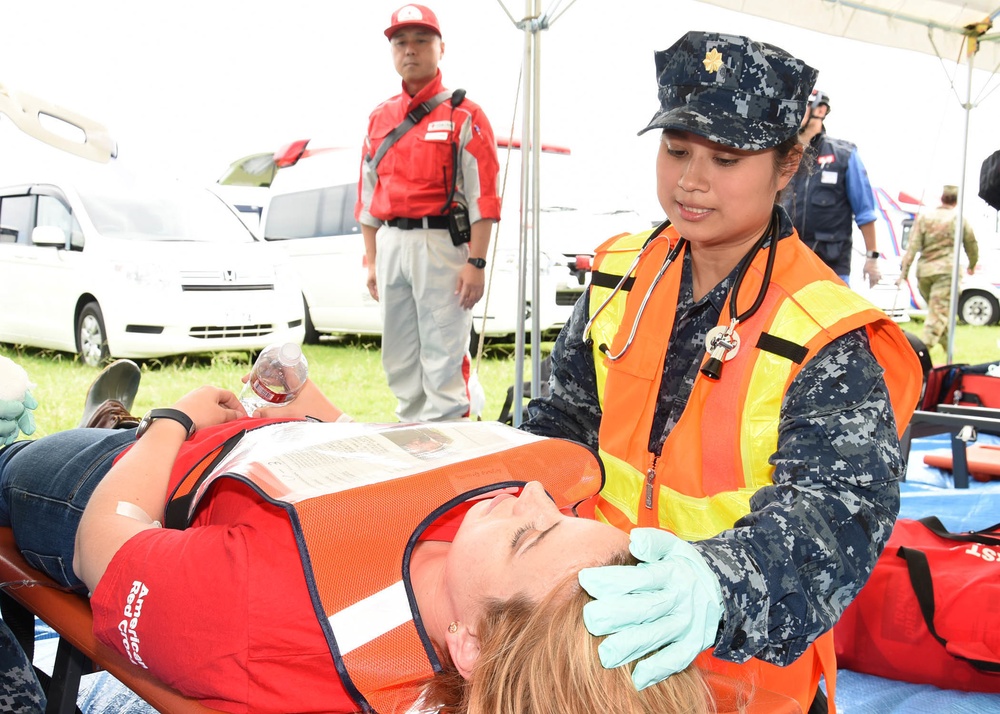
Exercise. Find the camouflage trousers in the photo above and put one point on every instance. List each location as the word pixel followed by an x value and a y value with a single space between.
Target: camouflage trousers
pixel 19 687
pixel 936 291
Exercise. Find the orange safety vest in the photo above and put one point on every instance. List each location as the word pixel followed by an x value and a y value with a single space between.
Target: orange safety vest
pixel 716 456
pixel 380 650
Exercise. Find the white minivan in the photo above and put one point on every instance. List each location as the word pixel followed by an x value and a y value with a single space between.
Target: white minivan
pixel 310 213
pixel 112 267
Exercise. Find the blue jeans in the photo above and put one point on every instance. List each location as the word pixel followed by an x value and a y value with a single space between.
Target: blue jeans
pixel 44 487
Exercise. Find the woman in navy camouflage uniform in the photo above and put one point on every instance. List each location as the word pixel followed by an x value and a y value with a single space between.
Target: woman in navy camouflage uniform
pixel 737 392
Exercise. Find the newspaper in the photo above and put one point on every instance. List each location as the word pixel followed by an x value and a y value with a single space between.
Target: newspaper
pixel 298 460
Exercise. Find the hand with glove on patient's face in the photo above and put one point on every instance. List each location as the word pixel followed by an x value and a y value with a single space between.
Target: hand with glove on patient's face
pixel 669 605
pixel 16 402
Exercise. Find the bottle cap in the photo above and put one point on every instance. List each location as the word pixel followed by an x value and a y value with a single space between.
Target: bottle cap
pixel 289 354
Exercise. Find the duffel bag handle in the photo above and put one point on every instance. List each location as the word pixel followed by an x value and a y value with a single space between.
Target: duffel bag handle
pixel 986 536
pixel 923 587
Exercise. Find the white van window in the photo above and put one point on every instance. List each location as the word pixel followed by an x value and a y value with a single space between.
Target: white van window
pixel 16 214
pixel 53 212
pixel 327 211
pixel 169 216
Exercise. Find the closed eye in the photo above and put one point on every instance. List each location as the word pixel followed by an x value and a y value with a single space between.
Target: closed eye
pixel 519 533
pixel 541 535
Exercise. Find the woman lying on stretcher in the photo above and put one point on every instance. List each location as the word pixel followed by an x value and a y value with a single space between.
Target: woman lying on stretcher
pixel 269 601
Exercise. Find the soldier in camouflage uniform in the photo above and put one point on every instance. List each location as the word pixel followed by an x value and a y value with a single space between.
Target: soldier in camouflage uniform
pixel 767 585
pixel 933 237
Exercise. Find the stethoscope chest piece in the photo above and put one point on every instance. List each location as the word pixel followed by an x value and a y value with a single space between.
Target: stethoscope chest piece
pixel 722 343
pixel 723 337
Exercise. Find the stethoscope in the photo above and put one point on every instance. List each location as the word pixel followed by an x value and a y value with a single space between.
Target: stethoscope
pixel 722 342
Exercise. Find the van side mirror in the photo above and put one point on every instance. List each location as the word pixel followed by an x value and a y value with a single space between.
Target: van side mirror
pixel 48 235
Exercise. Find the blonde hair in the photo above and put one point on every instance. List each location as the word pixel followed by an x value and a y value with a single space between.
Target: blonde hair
pixel 538 658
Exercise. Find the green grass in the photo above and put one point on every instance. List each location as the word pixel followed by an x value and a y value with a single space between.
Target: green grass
pixel 973 345
pixel 348 370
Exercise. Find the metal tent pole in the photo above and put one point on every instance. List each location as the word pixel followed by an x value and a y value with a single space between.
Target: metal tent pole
pixel 529 250
pixel 956 272
pixel 529 180
pixel 536 213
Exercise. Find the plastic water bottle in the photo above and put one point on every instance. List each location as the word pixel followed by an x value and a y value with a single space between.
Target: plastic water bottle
pixel 277 377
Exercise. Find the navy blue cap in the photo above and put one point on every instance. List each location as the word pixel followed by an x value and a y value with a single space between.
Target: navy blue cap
pixel 731 90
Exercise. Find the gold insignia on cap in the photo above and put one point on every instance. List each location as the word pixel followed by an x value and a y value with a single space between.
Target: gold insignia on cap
pixel 713 60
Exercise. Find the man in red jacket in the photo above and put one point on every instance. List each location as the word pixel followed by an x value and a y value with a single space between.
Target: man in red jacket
pixel 426 207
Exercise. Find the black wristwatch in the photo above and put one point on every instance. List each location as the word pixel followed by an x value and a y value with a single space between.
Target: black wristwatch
pixel 175 414
pixel 873 254
pixel 478 262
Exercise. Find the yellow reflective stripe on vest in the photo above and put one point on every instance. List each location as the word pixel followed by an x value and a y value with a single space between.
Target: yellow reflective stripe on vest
pixel 814 308
pixel 623 485
pixel 693 518
pixel 830 302
pixel 689 517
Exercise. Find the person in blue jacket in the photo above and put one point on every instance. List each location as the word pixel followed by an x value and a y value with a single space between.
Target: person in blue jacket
pixel 829 192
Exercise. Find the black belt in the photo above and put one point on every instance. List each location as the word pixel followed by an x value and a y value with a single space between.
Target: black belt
pixel 409 224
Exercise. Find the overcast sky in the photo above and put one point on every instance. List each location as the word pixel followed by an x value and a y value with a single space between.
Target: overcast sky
pixel 188 86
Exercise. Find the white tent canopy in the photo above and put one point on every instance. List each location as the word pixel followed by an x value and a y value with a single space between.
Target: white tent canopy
pixel 936 27
pixel 956 30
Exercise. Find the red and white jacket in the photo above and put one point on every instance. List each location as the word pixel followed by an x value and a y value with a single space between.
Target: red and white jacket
pixel 414 178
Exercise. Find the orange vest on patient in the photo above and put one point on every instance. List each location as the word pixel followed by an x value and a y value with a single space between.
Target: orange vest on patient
pixel 226 611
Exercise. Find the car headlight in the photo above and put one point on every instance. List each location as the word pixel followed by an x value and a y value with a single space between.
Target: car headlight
pixel 148 277
pixel 284 274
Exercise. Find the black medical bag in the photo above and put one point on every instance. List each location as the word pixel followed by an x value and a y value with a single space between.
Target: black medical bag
pixel 989 180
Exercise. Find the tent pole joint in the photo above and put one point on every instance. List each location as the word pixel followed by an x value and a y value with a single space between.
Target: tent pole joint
pixel 533 24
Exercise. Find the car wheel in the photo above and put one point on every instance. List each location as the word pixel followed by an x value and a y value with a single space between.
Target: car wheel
pixel 979 308
pixel 91 337
pixel 312 336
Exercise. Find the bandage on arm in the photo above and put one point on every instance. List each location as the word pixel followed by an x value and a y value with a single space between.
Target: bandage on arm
pixel 130 510
pixel 139 480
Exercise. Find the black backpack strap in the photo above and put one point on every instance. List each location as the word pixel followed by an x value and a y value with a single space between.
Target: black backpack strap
pixel 923 587
pixel 457 97
pixel 413 118
pixel 986 536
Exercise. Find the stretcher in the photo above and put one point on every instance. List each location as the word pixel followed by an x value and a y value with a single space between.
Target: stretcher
pixel 964 424
pixel 982 462
pixel 28 593
pixel 32 594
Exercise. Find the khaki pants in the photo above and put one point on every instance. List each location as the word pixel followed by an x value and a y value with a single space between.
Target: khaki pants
pixel 425 332
pixel 936 291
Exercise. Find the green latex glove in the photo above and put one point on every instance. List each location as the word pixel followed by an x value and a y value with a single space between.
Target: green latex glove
pixel 16 417
pixel 670 604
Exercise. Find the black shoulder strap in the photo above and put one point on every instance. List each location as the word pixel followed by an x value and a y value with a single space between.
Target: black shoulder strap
pixel 412 119
pixel 986 536
pixel 923 587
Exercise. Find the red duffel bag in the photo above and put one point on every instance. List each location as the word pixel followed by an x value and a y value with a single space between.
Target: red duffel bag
pixel 930 613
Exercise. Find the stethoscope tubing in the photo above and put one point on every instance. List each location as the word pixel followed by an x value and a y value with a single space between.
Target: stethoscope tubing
pixel 770 235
